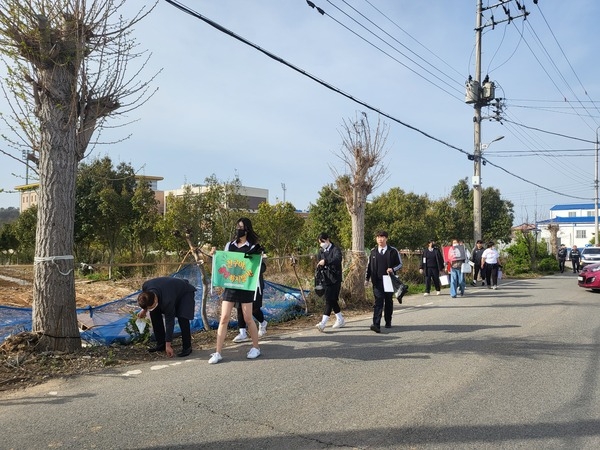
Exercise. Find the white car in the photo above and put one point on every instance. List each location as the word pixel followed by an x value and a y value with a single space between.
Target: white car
pixel 589 255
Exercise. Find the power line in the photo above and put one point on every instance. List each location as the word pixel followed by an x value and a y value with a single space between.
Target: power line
pixel 230 33
pixel 324 13
pixel 550 132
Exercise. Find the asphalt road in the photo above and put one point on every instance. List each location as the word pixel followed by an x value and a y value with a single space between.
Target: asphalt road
pixel 515 368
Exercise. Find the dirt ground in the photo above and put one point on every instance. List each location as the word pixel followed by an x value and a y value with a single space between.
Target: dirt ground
pixel 22 366
pixel 16 288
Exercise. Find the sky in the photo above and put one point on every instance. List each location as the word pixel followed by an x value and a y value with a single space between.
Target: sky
pixel 226 109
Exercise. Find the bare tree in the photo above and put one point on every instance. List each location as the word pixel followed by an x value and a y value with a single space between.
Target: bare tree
pixel 362 154
pixel 69 65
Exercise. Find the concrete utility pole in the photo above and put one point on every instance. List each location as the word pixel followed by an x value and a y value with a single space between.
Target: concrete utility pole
pixel 596 196
pixel 477 131
pixel 481 95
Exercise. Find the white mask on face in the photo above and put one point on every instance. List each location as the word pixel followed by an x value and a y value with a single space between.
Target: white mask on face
pixel 324 245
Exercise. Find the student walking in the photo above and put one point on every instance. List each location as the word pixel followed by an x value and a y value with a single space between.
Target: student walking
pixel 489 261
pixel 432 263
pixel 330 263
pixel 383 260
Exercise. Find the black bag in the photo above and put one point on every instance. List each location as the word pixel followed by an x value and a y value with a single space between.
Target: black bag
pixel 399 287
pixel 319 280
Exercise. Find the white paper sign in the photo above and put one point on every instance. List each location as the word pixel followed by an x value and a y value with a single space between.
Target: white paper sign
pixel 387 284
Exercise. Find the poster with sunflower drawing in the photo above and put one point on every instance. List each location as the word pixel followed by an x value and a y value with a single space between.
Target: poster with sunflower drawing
pixel 234 270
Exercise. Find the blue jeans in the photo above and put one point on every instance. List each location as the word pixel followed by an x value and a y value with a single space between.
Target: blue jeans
pixel 457 282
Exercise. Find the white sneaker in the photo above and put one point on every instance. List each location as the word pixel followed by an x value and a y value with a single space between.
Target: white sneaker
pixel 253 353
pixel 438 292
pixel 262 328
pixel 494 287
pixel 339 323
pixel 215 358
pixel 242 337
pixel 321 326
pixel 425 294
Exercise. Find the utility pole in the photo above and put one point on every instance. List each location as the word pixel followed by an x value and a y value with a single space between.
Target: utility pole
pixel 477 131
pixel 481 94
pixel 596 190
pixel 284 189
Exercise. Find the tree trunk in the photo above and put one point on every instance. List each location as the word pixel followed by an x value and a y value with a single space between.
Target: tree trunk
pixel 354 282
pixel 54 307
pixel 553 228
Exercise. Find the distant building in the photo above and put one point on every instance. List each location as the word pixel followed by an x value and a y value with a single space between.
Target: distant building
pixel 29 192
pixel 574 224
pixel 250 197
pixel 28 195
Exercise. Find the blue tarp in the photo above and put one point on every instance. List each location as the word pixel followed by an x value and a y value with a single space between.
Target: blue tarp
pixel 105 324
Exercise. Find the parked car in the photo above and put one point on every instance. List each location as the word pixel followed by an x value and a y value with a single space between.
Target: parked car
pixel 589 255
pixel 589 277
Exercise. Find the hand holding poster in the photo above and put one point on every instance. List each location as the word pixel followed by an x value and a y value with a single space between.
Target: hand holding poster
pixel 235 270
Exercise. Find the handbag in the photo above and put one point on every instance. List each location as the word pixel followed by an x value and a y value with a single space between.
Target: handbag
pixel 444 280
pixel 319 279
pixel 465 267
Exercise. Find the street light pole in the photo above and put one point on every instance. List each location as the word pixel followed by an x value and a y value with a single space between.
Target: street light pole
pixel 596 189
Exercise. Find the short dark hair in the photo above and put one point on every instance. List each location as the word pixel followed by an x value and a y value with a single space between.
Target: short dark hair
pixel 479 241
pixel 145 299
pixel 381 233
pixel 323 237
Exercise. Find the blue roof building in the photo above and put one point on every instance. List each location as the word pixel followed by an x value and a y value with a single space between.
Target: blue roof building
pixel 573 224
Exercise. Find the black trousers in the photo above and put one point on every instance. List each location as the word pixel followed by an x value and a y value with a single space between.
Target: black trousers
pixel 491 274
pixel 384 304
pixel 256 312
pixel 575 264
pixel 332 295
pixel 158 325
pixel 432 274
pixel 476 269
pixel 561 264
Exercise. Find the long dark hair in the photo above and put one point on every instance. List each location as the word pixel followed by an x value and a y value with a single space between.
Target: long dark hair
pixel 251 236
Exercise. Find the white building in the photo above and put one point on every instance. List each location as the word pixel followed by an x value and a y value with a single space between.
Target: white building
pixel 576 224
pixel 250 197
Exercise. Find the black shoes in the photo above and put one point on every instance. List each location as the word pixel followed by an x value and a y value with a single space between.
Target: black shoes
pixel 158 348
pixel 375 328
pixel 388 325
pixel 185 352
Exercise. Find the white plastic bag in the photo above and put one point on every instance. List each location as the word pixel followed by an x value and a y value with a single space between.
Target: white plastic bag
pixel 465 268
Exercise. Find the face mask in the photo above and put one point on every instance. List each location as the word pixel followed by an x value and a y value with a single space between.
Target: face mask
pixel 324 245
pixel 240 233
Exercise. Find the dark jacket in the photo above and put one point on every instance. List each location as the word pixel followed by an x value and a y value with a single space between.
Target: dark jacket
pixel 375 270
pixel 476 255
pixel 575 255
pixel 562 253
pixel 332 270
pixel 172 300
pixel 432 258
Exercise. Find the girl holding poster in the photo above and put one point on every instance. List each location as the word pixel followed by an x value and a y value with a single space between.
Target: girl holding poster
pixel 243 271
